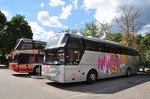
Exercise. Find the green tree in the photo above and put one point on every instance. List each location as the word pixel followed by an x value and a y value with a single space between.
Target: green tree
pixel 145 42
pixel 96 29
pixel 2 27
pixel 3 21
pixel 144 48
pixel 139 38
pixel 18 27
pixel 116 37
pixel 129 23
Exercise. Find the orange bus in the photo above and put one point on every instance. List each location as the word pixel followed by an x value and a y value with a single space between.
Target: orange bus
pixel 27 56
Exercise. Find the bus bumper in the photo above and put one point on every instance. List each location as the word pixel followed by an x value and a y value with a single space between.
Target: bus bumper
pixel 53 77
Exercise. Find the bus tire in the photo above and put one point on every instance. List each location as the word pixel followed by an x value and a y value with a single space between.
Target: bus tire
pixel 30 73
pixel 128 72
pixel 91 76
pixel 37 70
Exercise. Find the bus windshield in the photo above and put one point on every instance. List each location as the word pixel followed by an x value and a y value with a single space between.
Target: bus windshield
pixel 57 41
pixel 54 57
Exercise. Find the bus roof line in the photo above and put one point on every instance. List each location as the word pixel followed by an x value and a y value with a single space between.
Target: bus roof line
pixel 103 41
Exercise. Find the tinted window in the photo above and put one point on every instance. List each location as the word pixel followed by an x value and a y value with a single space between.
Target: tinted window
pixel 23 58
pixel 38 58
pixel 73 57
pixel 39 46
pixel 54 56
pixel 75 43
pixel 26 46
pixel 91 45
pixel 64 39
pixel 74 51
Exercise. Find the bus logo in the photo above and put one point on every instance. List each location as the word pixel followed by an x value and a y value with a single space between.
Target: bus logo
pixel 46 69
pixel 111 63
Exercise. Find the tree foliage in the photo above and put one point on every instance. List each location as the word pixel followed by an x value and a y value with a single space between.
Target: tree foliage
pixel 17 28
pixel 3 21
pixel 96 29
pixel 12 30
pixel 139 37
pixel 129 23
pixel 145 42
pixel 2 26
pixel 144 48
pixel 116 37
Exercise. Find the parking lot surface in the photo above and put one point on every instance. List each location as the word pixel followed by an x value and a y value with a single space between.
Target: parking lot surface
pixel 23 86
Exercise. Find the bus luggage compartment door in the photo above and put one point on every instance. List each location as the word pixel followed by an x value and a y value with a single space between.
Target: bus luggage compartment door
pixel 72 73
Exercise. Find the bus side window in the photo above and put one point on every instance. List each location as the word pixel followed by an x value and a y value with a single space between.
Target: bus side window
pixel 91 45
pixel 75 43
pixel 73 57
pixel 98 47
pixel 38 58
pixel 105 48
pixel 24 58
pixel 74 51
pixel 30 58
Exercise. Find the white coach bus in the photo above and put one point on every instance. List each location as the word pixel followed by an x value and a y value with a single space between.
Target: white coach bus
pixel 72 58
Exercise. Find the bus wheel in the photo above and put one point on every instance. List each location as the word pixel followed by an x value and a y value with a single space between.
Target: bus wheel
pixel 128 72
pixel 37 70
pixel 30 73
pixel 92 76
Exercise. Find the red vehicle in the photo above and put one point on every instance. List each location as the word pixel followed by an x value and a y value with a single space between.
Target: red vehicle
pixel 27 56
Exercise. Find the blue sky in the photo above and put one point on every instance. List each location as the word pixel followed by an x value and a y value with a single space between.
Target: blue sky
pixel 48 17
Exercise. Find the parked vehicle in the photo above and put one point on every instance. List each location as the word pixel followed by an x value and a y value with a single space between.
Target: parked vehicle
pixel 27 56
pixel 72 58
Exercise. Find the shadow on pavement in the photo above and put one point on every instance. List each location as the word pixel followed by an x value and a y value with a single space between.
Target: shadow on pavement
pixel 104 86
pixel 22 75
pixel 4 67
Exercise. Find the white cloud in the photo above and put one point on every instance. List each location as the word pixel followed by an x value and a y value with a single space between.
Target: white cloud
pixel 105 10
pixel 54 3
pixel 102 16
pixel 39 33
pixel 47 20
pixel 92 4
pixel 7 13
pixel 145 29
pixel 42 5
pixel 75 4
pixel 146 26
pixel 66 12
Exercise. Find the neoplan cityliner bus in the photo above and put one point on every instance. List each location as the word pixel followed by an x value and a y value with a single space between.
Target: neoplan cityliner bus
pixel 27 56
pixel 72 58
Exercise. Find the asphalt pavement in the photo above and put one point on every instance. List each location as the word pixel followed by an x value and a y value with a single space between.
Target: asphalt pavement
pixel 24 86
